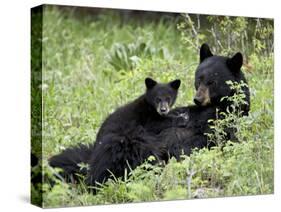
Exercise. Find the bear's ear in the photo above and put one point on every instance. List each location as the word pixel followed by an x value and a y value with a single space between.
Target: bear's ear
pixel 235 62
pixel 205 52
pixel 175 84
pixel 150 83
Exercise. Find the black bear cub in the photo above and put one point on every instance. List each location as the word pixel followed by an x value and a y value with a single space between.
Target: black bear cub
pixel 127 136
pixel 210 83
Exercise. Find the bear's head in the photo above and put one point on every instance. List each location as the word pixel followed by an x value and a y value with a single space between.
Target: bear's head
pixel 211 76
pixel 161 96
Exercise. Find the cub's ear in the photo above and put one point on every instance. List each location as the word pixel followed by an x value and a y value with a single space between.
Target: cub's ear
pixel 150 83
pixel 235 62
pixel 205 52
pixel 175 84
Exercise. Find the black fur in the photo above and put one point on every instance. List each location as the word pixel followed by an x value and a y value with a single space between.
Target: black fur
pixel 70 159
pixel 211 75
pixel 127 136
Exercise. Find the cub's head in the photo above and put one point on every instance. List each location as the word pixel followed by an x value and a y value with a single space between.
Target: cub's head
pixel 161 96
pixel 212 74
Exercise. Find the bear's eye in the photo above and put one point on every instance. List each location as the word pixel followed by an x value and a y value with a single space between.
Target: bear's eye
pixel 158 100
pixel 200 78
pixel 168 99
pixel 211 83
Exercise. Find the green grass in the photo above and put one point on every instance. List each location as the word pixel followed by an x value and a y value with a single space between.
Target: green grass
pixel 81 87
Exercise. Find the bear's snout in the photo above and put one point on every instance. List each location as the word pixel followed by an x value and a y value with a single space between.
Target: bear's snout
pixel 198 100
pixel 163 108
pixel 202 97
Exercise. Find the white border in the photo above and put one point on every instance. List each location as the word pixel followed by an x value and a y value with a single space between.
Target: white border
pixel 15 111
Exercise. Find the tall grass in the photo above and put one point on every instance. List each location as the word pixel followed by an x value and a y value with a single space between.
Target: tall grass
pixel 84 81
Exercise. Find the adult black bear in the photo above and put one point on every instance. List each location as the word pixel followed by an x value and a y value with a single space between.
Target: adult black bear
pixel 127 137
pixel 210 83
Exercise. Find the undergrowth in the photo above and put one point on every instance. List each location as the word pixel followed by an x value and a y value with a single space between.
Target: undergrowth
pixel 93 64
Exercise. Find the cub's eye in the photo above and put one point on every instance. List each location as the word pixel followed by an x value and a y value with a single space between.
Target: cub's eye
pixel 168 99
pixel 158 100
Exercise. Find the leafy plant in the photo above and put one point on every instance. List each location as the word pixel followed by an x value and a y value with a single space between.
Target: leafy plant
pixel 227 34
pixel 231 121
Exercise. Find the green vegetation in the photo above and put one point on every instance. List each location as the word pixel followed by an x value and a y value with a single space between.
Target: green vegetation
pixel 93 64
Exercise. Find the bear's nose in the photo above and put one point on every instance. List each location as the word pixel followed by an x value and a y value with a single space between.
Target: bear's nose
pixel 163 110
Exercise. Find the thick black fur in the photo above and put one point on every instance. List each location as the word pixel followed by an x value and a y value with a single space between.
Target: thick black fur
pixel 180 141
pixel 70 160
pixel 210 77
pixel 127 136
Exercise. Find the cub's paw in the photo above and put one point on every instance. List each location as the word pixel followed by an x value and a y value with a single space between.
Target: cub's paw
pixel 181 120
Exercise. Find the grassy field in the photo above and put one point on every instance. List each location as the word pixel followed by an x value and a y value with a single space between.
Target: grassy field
pixel 92 65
